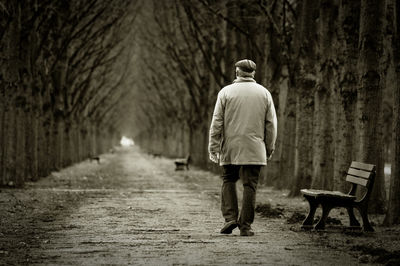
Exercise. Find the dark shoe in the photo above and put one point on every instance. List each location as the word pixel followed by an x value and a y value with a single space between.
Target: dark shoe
pixel 246 233
pixel 228 227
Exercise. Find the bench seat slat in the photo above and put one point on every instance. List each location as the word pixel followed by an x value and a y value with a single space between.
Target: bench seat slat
pixel 357 180
pixel 359 173
pixel 327 193
pixel 362 166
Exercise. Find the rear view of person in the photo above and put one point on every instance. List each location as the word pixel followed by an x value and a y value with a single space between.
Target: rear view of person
pixel 242 136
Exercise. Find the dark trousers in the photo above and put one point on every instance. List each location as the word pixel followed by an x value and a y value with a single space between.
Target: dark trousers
pixel 229 201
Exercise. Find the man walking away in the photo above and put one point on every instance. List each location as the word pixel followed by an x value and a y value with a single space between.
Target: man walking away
pixel 242 136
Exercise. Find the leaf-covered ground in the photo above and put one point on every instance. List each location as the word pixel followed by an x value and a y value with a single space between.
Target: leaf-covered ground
pixel 135 209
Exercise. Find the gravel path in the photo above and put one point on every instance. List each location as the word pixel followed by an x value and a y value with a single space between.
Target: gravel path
pixel 135 209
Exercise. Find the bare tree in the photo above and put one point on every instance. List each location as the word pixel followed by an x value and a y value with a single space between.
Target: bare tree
pixel 324 108
pixel 392 213
pixel 369 93
pixel 305 84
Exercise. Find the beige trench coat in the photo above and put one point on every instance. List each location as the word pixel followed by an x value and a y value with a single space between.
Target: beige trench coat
pixel 244 124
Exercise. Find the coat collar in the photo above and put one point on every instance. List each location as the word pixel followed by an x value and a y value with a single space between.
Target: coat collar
pixel 242 79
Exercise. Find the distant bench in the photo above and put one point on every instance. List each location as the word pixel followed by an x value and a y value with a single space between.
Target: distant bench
pixel 181 163
pixel 95 158
pixel 358 174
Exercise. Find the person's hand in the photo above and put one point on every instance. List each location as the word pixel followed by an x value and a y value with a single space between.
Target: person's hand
pixel 269 155
pixel 214 157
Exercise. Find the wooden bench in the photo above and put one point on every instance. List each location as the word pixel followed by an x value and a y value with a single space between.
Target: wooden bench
pixel 95 158
pixel 359 174
pixel 182 162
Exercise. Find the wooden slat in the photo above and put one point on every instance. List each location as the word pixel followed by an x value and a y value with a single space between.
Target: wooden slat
pixel 327 193
pixel 362 166
pixel 359 173
pixel 357 180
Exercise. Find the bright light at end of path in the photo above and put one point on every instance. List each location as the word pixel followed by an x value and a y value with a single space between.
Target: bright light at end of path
pixel 126 142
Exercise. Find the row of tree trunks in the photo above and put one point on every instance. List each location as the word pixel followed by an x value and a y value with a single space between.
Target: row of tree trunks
pixel 60 81
pixel 172 140
pixel 34 146
pixel 177 140
pixel 326 146
pixel 323 62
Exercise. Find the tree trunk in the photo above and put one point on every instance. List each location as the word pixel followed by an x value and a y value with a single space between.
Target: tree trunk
pixel 369 102
pixel 19 141
pixel 2 131
pixel 271 70
pixel 322 170
pixel 346 96
pixel 9 143
pixel 52 148
pixel 306 83
pixel 41 147
pixel 287 158
pixel 81 144
pixel 72 143
pixel 10 74
pixel 231 42
pixel 66 144
pixel 32 138
pixel 59 131
pixel 393 214
pixel 95 142
pixel 83 139
pixel 323 156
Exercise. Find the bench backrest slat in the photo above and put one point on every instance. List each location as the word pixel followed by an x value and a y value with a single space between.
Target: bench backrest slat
pixel 357 180
pixel 362 166
pixel 360 173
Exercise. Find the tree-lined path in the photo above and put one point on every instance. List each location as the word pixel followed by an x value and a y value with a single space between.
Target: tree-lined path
pixel 76 76
pixel 135 209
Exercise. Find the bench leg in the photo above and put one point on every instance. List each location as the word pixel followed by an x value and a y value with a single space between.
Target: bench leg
pixel 326 208
pixel 353 220
pixel 364 214
pixel 308 222
pixel 178 167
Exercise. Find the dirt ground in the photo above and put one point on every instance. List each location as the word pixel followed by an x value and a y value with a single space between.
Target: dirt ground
pixel 133 208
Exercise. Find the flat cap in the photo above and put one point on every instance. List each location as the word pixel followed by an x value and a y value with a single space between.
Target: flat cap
pixel 246 65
